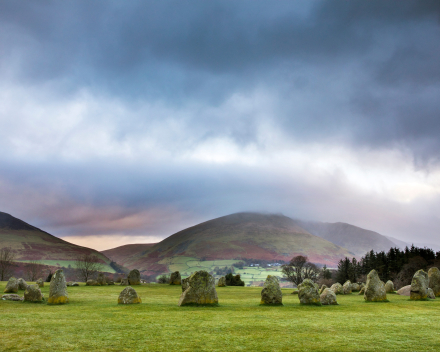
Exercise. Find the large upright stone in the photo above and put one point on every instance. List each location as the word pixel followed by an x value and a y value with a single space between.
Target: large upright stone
pixel 374 288
pixel 355 287
pixel 185 284
pixel 431 293
pixel 404 291
pixel 419 286
pixel 328 297
pixel 101 280
pixel 200 290
pixel 222 282
pixel 271 293
pixel 12 285
pixel 389 287
pixel 40 282
pixel 434 280
pixel 124 282
pixel 22 284
pixel 134 277
pixel 33 294
pixel 129 296
pixel 58 289
pixel 308 293
pixel 337 289
pixel 346 288
pixel 175 278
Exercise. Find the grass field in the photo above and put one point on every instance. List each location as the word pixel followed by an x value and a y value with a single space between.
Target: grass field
pixel 92 321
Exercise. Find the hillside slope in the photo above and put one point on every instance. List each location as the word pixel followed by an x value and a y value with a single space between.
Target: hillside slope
pixel 31 243
pixel 121 254
pixel 241 235
pixel 355 239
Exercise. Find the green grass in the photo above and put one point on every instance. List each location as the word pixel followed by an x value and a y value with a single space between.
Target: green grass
pixel 92 321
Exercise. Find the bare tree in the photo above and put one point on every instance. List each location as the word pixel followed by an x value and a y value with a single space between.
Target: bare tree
pixel 87 265
pixel 7 257
pixel 298 269
pixel 33 270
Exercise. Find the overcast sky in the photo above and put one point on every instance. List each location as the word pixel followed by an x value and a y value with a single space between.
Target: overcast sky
pixel 126 121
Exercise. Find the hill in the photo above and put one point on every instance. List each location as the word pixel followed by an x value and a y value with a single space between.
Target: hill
pixel 237 236
pixel 122 253
pixel 31 243
pixel 355 239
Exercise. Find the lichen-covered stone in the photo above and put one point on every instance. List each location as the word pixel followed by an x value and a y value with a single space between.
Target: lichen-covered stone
pixel 271 293
pixel 221 282
pixel 355 287
pixel 110 282
pixel 404 291
pixel 328 297
pixel 175 278
pixel 129 296
pixel 134 277
pixel 22 284
pixel 362 291
pixel 346 288
pixel 337 289
pixel 124 282
pixel 389 287
pixel 374 288
pixel 12 297
pixel 323 287
pixel 40 283
pixel 419 286
pixel 71 283
pixel 58 289
pixel 90 282
pixel 434 280
pixel 101 280
pixel 185 284
pixel 33 294
pixel 12 285
pixel 200 290
pixel 308 293
pixel 431 293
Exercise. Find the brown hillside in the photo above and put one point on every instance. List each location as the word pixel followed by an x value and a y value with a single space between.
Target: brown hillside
pixel 122 253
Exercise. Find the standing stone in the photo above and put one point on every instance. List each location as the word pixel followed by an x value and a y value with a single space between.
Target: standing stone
pixel 221 282
pixel 323 287
pixel 134 277
pixel 389 287
pixel 40 283
pixel 271 293
pixel 90 282
pixel 124 282
pixel 374 289
pixel 200 290
pixel 129 296
pixel 12 285
pixel 12 297
pixel 33 294
pixel 434 280
pixel 308 294
pixel 22 284
pixel 355 287
pixel 58 290
pixel 431 293
pixel 175 278
pixel 101 280
pixel 404 291
pixel 337 288
pixel 346 288
pixel 185 284
pixel 419 286
pixel 328 297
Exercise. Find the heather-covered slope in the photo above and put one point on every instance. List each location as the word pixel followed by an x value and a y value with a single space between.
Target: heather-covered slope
pixel 31 243
pixel 122 253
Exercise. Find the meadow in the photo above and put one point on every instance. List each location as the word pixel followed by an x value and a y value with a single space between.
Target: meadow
pixel 92 321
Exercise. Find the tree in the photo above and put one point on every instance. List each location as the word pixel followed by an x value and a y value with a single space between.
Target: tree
pixel 163 279
pixel 326 273
pixel 298 269
pixel 87 265
pixel 7 257
pixel 33 270
pixel 234 280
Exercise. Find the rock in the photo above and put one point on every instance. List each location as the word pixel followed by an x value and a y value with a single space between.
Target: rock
pixel 337 288
pixel 40 283
pixel 355 287
pixel 362 291
pixel 185 283
pixel 308 294
pixel 323 287
pixel 346 288
pixel 22 284
pixel 70 283
pixel 374 289
pixel 221 282
pixel 12 285
pixel 124 282
pixel 58 289
pixel 271 293
pixel 389 287
pixel 431 293
pixel 90 282
pixel 200 290
pixel 404 291
pixel 110 282
pixel 101 280
pixel 129 296
pixel 134 277
pixel 328 297
pixel 12 297
pixel 33 294
pixel 434 280
pixel 175 278
pixel 75 284
pixel 419 286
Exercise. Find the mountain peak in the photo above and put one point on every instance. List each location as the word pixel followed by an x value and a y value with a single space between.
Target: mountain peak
pixel 7 221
